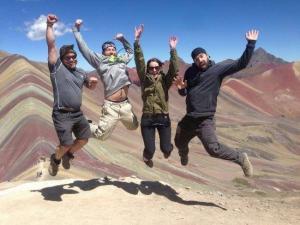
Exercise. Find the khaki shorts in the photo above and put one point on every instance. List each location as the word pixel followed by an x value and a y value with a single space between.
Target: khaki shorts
pixel 112 113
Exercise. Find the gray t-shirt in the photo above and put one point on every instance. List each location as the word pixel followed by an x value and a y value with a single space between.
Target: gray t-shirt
pixel 67 86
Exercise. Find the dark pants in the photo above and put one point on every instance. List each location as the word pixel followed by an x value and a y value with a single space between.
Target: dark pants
pixel 162 123
pixel 204 128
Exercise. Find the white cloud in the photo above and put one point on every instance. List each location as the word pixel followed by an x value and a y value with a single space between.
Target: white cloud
pixel 36 29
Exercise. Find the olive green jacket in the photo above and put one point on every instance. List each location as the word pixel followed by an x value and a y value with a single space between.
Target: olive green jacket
pixel 155 91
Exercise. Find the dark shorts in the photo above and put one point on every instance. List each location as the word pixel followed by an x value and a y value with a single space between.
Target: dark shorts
pixel 67 122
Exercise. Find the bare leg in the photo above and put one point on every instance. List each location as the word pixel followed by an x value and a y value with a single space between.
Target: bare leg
pixel 68 156
pixel 61 150
pixel 78 144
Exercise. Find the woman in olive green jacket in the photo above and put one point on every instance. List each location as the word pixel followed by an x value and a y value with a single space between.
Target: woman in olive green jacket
pixel 155 85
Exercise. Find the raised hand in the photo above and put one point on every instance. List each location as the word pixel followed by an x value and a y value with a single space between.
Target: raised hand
pixel 179 83
pixel 50 38
pixel 119 37
pixel 173 42
pixel 51 19
pixel 138 31
pixel 78 23
pixel 252 35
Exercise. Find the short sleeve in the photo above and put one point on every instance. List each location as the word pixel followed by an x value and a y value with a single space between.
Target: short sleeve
pixel 53 67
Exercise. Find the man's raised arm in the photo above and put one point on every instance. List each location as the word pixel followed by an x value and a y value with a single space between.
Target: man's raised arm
pixel 50 38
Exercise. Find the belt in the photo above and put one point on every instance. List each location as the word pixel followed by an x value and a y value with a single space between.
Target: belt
pixel 155 115
pixel 116 102
pixel 68 110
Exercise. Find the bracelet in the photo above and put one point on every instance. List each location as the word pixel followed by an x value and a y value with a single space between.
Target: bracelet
pixel 50 24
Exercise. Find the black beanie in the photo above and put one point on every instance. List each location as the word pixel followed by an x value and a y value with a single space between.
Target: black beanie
pixel 65 49
pixel 197 51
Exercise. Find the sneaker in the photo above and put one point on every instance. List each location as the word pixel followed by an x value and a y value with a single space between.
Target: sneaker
pixel 54 164
pixel 246 165
pixel 148 162
pixel 184 160
pixel 66 160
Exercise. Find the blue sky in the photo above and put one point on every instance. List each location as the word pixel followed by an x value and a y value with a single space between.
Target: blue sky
pixel 217 26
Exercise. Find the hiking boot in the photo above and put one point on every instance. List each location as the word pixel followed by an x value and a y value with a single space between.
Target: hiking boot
pixel 246 165
pixel 54 164
pixel 148 162
pixel 66 160
pixel 184 160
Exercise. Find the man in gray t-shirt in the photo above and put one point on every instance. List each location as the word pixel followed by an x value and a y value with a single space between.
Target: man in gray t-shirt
pixel 67 82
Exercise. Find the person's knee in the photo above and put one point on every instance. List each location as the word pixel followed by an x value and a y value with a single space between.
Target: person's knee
pixel 133 125
pixel 213 149
pixel 65 146
pixel 83 141
pixel 66 142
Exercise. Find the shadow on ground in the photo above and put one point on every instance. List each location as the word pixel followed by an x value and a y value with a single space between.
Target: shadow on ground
pixel 55 193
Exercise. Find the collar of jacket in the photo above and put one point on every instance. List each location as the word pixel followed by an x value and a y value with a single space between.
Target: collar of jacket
pixel 161 74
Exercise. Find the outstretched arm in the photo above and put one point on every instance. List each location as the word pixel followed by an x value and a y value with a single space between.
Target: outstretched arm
pixel 50 38
pixel 173 66
pixel 129 52
pixel 242 62
pixel 138 53
pixel 93 59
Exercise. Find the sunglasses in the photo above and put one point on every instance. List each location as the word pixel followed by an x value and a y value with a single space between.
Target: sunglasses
pixel 68 58
pixel 154 67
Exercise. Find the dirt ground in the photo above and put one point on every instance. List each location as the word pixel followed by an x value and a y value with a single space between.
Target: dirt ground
pixel 133 201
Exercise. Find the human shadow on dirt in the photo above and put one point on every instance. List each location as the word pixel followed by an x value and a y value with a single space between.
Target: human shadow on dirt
pixel 55 193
